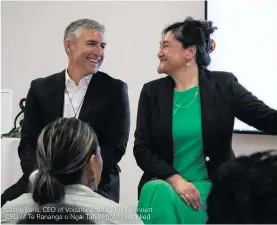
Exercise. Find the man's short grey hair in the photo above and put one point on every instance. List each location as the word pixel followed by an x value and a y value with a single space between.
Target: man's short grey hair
pixel 74 28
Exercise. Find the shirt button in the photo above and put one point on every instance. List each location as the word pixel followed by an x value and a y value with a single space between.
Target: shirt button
pixel 207 158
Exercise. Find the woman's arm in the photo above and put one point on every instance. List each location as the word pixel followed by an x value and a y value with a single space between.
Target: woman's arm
pixel 251 110
pixel 149 161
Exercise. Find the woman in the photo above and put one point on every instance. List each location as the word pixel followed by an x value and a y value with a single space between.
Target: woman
pixel 185 125
pixel 69 170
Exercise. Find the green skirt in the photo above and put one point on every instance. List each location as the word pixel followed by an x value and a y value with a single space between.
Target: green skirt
pixel 160 204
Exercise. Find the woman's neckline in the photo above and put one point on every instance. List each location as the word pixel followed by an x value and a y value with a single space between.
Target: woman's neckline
pixel 186 90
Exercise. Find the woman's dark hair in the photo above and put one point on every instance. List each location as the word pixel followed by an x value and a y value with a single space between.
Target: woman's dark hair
pixel 194 32
pixel 64 148
pixel 244 191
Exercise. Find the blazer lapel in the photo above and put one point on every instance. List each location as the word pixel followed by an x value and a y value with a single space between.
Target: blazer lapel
pixel 92 97
pixel 165 110
pixel 55 99
pixel 208 109
pixel 208 105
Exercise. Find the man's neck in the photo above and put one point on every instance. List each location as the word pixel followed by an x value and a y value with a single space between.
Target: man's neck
pixel 186 78
pixel 75 73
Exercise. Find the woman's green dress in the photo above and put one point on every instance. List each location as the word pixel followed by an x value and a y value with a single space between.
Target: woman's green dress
pixel 159 203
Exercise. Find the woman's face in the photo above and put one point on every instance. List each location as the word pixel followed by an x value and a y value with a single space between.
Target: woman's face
pixel 172 55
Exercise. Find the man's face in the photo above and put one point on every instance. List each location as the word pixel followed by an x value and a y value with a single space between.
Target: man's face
pixel 86 50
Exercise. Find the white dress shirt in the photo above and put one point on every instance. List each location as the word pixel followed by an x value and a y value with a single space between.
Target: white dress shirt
pixel 74 95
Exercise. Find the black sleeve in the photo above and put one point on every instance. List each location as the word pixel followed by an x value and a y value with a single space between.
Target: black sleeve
pixel 149 161
pixel 31 128
pixel 251 110
pixel 118 129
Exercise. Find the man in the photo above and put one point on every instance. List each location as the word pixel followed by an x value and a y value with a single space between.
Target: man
pixel 245 191
pixel 83 92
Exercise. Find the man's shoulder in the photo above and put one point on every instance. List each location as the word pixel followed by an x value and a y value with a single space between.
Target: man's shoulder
pixel 109 79
pixel 41 81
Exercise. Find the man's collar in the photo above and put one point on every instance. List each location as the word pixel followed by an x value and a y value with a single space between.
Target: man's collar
pixel 67 78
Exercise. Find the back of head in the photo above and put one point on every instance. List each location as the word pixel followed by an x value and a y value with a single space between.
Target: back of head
pixel 57 213
pixel 245 191
pixel 195 32
pixel 64 149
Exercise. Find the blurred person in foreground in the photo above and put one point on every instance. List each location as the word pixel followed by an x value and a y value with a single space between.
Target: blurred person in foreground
pixel 69 171
pixel 245 192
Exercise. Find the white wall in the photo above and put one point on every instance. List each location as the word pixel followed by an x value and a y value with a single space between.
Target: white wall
pixel 32 47
pixel 245 144
pixel 233 36
pixel 32 34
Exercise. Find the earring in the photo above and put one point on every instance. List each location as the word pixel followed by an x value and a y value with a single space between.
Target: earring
pixel 187 63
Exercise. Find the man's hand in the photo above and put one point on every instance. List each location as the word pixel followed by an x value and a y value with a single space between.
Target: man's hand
pixel 186 190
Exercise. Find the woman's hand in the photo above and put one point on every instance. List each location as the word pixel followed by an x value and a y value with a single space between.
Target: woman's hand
pixel 186 190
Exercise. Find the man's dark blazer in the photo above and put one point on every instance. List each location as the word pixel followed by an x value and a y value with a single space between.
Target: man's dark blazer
pixel 105 108
pixel 222 99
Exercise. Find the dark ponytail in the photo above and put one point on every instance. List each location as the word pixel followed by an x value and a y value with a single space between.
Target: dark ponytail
pixel 47 188
pixel 64 148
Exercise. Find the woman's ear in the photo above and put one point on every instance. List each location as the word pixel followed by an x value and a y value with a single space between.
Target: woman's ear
pixel 90 178
pixel 192 52
pixel 92 165
pixel 96 165
pixel 189 53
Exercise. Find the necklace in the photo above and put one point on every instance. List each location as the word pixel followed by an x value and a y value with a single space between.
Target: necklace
pixel 75 112
pixel 180 106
